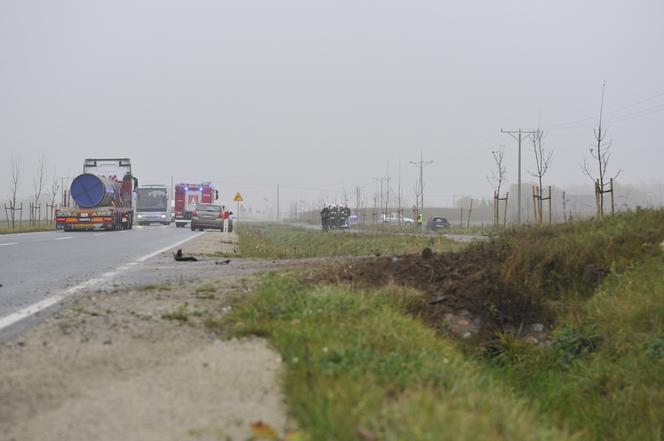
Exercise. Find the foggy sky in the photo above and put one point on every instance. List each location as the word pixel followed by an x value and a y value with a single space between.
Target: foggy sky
pixel 321 96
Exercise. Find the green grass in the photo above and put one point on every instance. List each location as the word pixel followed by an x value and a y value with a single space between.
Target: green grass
pixel 356 362
pixel 25 227
pixel 360 363
pixel 536 268
pixel 604 370
pixel 453 229
pixel 290 242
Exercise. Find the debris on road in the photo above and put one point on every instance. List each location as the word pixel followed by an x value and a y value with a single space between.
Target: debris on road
pixel 181 258
pixel 222 262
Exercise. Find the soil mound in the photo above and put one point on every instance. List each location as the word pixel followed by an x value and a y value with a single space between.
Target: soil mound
pixel 457 285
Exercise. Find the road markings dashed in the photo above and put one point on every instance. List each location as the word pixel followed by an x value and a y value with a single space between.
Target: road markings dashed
pixel 7 244
pixel 63 238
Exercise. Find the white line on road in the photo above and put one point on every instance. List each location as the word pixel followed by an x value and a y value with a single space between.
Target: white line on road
pixel 151 255
pixel 36 308
pixel 5 244
pixel 63 238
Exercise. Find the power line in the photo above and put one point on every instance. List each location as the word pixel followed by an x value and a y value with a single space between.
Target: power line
pixel 421 164
pixel 561 126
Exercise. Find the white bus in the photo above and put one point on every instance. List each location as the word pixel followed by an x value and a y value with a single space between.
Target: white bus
pixel 153 205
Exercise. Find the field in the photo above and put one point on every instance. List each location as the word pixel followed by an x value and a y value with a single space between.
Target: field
pixel 290 242
pixel 564 340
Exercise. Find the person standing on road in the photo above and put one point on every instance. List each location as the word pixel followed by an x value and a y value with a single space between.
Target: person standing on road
pixel 419 221
pixel 325 218
pixel 225 215
pixel 230 221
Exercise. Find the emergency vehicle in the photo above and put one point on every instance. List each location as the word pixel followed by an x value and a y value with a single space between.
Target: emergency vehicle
pixel 187 196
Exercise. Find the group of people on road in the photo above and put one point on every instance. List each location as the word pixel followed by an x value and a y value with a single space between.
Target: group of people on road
pixel 334 217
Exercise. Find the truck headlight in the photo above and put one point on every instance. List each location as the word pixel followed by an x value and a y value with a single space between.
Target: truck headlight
pixel 140 215
pixel 163 215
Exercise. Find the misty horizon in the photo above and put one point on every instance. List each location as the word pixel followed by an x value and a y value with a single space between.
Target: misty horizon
pixel 321 98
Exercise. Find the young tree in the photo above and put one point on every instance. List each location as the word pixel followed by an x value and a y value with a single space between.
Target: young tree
pixel 13 187
pixel 601 153
pixel 498 176
pixel 38 184
pixel 542 163
pixel 417 191
pixel 53 193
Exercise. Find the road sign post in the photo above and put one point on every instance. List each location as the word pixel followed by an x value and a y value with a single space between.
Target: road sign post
pixel 238 199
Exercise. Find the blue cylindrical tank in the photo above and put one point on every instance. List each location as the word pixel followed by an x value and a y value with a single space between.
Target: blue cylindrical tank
pixel 90 190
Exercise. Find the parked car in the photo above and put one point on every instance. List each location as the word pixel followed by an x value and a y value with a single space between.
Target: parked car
pixel 436 223
pixel 207 216
pixel 393 219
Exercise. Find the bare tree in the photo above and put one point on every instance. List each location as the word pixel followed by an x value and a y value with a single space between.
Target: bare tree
pixel 601 153
pixel 417 191
pixel 38 184
pixel 53 193
pixel 13 187
pixel 498 176
pixel 360 203
pixel 542 163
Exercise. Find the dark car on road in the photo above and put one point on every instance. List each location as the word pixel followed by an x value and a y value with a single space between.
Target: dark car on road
pixel 207 216
pixel 436 223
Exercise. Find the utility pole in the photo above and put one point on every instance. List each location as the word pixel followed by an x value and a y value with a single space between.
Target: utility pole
pixel 278 216
pixel 519 138
pixel 421 164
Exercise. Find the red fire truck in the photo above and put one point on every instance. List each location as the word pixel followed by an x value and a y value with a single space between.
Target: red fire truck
pixel 186 198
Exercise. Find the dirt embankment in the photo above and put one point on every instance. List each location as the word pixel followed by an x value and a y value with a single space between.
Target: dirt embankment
pixel 137 363
pixel 463 291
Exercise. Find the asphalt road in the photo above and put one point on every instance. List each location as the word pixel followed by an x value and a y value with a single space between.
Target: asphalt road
pixel 37 270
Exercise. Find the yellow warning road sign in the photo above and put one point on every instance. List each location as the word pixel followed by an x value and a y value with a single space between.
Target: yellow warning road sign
pixel 238 197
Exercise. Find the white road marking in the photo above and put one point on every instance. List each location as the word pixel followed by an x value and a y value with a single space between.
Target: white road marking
pixel 36 308
pixel 63 238
pixel 6 244
pixel 151 255
pixel 99 234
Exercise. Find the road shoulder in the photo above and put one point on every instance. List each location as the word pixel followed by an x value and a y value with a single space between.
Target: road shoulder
pixel 134 361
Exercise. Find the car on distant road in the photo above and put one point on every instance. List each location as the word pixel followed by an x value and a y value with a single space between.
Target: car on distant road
pixel 437 223
pixel 207 216
pixel 393 219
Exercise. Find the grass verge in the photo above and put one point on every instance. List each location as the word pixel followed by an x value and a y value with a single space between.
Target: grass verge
pixel 359 367
pixel 25 227
pixel 603 372
pixel 286 242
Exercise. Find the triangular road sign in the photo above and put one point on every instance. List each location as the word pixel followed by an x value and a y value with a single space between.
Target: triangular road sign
pixel 238 197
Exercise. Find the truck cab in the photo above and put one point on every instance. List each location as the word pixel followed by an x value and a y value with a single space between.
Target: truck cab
pixel 187 196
